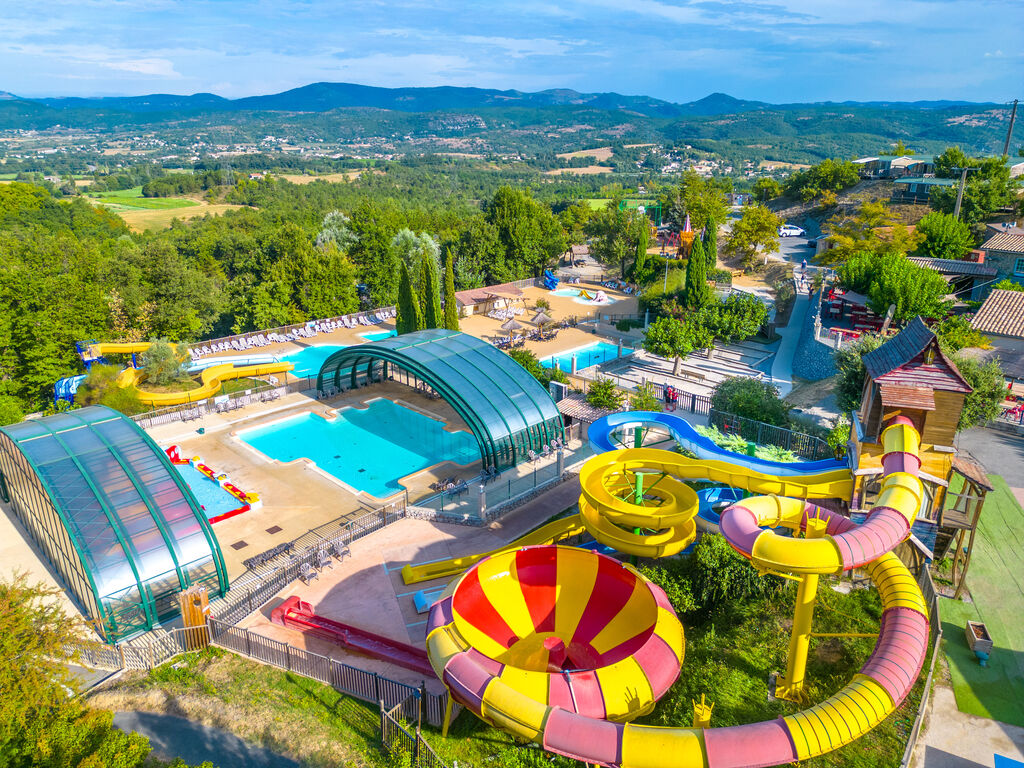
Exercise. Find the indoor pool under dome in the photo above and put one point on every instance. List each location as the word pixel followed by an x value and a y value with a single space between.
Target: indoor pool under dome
pixel 369 449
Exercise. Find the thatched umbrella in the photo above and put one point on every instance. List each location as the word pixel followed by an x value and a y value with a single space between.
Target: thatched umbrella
pixel 541 319
pixel 511 325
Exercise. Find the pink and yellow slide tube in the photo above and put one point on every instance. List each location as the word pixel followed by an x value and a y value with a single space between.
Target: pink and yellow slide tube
pixel 566 647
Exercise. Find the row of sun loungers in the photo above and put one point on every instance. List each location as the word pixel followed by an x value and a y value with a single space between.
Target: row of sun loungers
pixel 310 330
pixel 505 314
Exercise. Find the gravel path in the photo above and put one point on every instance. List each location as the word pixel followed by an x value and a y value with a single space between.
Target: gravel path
pixel 172 736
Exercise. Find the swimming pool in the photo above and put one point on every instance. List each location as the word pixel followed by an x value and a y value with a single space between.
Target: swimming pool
pixel 307 361
pixel 592 354
pixel 575 294
pixel 368 449
pixel 378 335
pixel 214 500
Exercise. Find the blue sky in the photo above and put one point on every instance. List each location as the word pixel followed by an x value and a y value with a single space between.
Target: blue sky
pixel 771 50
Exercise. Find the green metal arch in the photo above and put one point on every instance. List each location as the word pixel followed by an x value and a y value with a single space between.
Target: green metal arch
pixel 459 387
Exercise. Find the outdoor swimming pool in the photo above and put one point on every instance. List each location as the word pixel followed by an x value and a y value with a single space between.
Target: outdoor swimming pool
pixel 378 335
pixel 592 354
pixel 307 361
pixel 575 294
pixel 368 449
pixel 214 499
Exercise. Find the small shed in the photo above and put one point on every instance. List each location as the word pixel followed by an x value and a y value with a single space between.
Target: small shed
pixel 910 376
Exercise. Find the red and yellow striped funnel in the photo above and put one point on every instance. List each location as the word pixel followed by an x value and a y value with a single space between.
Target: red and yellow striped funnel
pixel 554 626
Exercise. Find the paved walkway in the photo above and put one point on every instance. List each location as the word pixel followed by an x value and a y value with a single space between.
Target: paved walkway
pixel 782 365
pixel 954 740
pixel 172 736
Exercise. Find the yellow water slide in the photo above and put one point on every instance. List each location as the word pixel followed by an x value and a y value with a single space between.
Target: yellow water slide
pixel 212 378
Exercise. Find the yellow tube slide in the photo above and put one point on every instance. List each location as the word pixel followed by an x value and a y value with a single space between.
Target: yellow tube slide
pixel 211 377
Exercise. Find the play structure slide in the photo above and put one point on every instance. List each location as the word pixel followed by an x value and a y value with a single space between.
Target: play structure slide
pixel 202 365
pixel 546 534
pixel 298 614
pixel 212 378
pixel 603 433
pixel 522 637
pixel 114 348
pixel 550 281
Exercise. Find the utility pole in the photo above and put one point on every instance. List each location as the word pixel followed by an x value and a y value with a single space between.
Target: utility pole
pixel 960 192
pixel 1009 131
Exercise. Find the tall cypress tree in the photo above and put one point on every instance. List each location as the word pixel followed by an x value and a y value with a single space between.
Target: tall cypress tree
pixel 711 244
pixel 696 293
pixel 409 317
pixel 640 263
pixel 451 309
pixel 431 293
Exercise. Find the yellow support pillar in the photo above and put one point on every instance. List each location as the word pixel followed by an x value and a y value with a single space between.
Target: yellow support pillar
pixel 791 687
pixel 702 713
pixel 447 716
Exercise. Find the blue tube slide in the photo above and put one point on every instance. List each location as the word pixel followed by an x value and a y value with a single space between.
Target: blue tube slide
pixel 600 436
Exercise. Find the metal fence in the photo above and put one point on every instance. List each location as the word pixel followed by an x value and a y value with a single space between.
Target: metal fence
pixel 806 446
pixel 250 596
pixel 396 738
pixel 924 580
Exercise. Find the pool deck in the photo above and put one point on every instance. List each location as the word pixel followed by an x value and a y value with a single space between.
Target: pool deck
pixel 366 589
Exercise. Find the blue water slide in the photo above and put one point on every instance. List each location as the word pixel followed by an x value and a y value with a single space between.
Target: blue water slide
pixel 550 281
pixel 601 431
pixel 65 389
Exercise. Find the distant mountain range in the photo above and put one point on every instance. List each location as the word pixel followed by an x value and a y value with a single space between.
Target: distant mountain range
pixel 323 97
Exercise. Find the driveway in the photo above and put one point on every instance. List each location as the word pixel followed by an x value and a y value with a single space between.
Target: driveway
pixel 172 736
pixel 1001 453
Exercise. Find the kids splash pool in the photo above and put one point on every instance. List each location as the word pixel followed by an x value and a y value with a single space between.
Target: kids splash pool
pixel 592 354
pixel 215 501
pixel 368 449
pixel 590 297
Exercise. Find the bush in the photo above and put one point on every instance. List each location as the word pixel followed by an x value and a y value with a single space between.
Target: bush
pixel 839 435
pixel 956 333
pixel 852 373
pixel 165 364
pixel 10 410
pixel 543 303
pixel 100 387
pixel 628 324
pixel 720 276
pixel 989 385
pixel 644 399
pixel 752 399
pixel 604 394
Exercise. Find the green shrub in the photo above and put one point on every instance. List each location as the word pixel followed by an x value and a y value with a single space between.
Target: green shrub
pixel 165 363
pixel 627 324
pixel 604 394
pixel 720 276
pixel 644 399
pixel 10 410
pixel 839 435
pixel 100 387
pixel 752 399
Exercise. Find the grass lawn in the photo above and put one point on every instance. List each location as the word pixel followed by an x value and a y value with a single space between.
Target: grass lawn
pixel 996 581
pixel 597 203
pixel 239 385
pixel 132 198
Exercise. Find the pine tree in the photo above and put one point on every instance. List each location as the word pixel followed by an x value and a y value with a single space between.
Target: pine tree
pixel 409 317
pixel 696 293
pixel 451 308
pixel 432 316
pixel 711 244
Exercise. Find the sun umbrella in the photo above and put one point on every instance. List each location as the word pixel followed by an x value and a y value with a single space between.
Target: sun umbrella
pixel 511 325
pixel 541 318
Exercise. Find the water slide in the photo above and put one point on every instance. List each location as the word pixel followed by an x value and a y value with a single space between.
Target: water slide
pixel 212 378
pixel 603 432
pixel 546 534
pixel 202 365
pixel 494 666
pixel 298 614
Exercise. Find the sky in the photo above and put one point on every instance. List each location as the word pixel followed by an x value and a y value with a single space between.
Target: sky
pixel 677 50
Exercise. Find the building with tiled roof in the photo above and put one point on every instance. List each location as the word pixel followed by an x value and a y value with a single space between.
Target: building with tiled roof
pixel 1004 250
pixel 910 376
pixel 1002 314
pixel 967 279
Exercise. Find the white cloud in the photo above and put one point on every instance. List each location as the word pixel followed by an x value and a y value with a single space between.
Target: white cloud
pixel 154 67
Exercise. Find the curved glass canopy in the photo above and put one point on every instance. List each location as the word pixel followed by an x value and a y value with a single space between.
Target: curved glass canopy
pixel 113 515
pixel 508 410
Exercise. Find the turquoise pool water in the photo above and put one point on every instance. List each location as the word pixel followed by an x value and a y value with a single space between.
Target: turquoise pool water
pixel 214 499
pixel 592 354
pixel 575 294
pixel 307 361
pixel 368 449
pixel 378 335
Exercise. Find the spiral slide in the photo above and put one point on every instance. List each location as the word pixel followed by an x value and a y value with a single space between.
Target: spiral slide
pixel 566 653
pixel 602 439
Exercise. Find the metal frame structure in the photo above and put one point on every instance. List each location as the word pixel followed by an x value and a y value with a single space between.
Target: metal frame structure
pixel 507 409
pixel 112 514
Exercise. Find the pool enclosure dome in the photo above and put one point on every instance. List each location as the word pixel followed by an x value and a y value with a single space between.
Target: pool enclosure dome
pixel 509 412
pixel 111 513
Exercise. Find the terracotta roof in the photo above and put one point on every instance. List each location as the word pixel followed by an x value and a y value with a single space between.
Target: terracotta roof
pixel 905 396
pixel 902 360
pixel 1010 361
pixel 487 293
pixel 1002 314
pixel 576 406
pixel 955 266
pixel 1004 241
pixel 971 468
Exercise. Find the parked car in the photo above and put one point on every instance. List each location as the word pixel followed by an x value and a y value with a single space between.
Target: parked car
pixel 791 230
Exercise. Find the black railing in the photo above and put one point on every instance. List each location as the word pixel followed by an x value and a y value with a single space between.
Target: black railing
pixel 806 446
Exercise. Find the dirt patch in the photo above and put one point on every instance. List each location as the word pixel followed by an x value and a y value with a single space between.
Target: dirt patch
pixel 302 178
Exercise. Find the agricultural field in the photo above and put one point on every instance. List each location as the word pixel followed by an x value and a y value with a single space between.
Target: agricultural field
pixel 587 170
pixel 143 219
pixel 132 199
pixel 302 178
pixel 599 154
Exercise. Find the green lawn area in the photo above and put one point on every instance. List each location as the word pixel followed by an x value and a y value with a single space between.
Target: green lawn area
pixel 132 198
pixel 996 581
pixel 597 203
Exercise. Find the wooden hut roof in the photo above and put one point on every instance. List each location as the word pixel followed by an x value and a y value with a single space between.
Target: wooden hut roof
pixel 902 360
